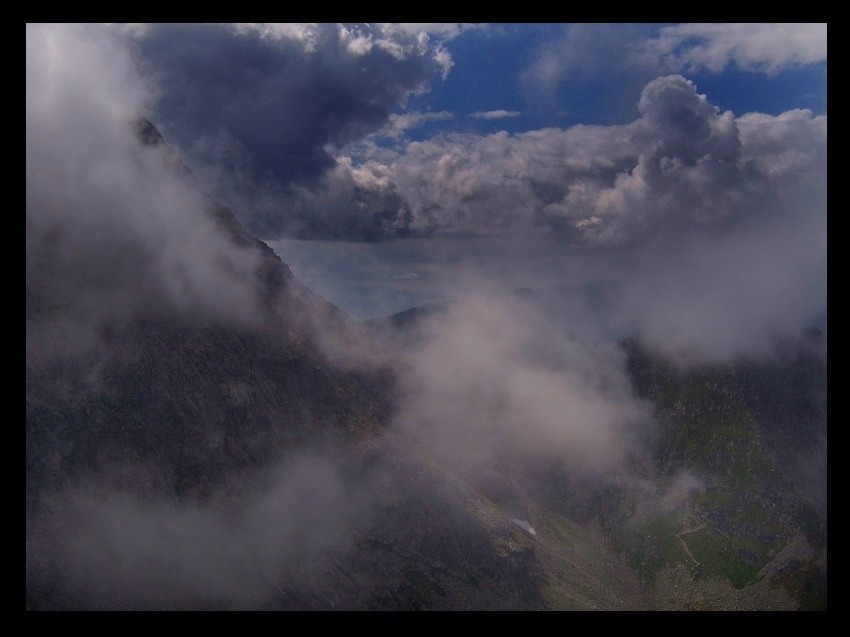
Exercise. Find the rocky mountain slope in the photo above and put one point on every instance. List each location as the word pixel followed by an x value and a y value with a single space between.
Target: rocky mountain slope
pixel 156 440
pixel 184 461
pixel 746 445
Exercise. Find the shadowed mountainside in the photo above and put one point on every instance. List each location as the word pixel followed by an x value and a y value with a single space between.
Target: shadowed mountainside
pixel 179 460
pixel 190 419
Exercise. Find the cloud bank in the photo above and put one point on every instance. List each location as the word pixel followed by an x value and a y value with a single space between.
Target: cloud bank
pixel 725 215
pixel 682 164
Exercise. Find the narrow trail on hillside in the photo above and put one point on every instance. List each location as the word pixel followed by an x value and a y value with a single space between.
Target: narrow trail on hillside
pixel 685 545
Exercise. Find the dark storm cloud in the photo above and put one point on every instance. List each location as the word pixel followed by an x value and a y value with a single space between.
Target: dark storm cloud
pixel 274 103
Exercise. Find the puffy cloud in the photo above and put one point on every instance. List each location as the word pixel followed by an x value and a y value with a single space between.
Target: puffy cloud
pixel 494 378
pixel 687 171
pixel 681 164
pixel 485 183
pixel 768 47
pixel 723 294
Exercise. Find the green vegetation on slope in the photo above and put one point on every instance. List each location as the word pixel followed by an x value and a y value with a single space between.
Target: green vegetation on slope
pixel 744 500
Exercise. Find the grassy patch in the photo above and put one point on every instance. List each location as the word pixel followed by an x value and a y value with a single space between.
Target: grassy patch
pixel 651 543
pixel 577 571
pixel 557 598
pixel 737 558
pixel 558 528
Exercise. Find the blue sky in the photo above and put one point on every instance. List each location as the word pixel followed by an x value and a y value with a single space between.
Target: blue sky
pixel 397 164
pixel 600 85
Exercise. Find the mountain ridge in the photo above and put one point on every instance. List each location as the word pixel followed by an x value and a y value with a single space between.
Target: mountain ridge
pixel 185 461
